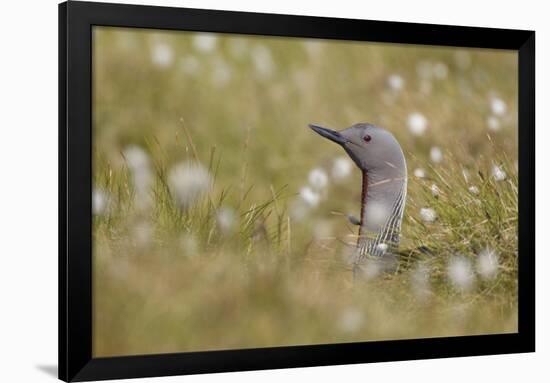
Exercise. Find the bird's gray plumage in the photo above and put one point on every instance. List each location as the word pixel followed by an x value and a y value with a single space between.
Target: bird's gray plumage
pixel 378 155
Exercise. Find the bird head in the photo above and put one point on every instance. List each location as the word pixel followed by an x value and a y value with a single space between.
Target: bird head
pixel 373 149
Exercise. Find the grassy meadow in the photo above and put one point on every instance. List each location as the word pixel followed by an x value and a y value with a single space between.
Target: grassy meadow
pixel 219 217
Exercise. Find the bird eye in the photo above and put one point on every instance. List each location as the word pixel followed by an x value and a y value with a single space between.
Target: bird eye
pixel 367 138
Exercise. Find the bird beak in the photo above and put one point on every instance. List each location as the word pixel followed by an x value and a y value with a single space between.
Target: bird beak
pixel 330 134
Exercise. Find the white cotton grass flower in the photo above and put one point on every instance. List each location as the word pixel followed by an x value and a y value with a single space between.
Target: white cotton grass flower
pixel 318 179
pixel 487 264
pixel 139 165
pixel 473 189
pixel 435 190
pixel 498 106
pixel 382 248
pixel 493 123
pixel 341 168
pixel 309 196
pixel 428 70
pixel 221 73
pixel 420 282
pixel 436 155
pixel 417 123
pixel 263 61
pixel 460 273
pixel 395 82
pixel 136 157
pixel 226 219
pixel 188 182
pixel 377 213
pixel 298 209
pixel 100 202
pixel 428 215
pixel 313 47
pixel 351 320
pixel 440 70
pixel 424 70
pixel 190 64
pixel 162 55
pixel 419 173
pixel 205 42
pixel 498 173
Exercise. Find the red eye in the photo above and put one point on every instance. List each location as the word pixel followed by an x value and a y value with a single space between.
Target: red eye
pixel 367 138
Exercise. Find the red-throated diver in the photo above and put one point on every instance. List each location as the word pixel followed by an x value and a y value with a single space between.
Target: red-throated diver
pixel 378 155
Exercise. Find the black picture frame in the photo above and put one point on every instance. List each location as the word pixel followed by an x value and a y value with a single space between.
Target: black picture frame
pixel 75 211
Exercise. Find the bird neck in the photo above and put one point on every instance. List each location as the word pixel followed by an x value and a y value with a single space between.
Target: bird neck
pixel 364 191
pixel 382 206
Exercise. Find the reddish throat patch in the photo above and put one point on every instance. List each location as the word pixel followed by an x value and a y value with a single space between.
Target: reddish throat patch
pixel 364 187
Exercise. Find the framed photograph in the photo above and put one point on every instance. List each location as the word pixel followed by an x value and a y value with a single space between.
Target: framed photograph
pixel 245 191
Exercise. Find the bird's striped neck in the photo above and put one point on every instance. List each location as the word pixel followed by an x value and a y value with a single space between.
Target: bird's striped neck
pixel 382 208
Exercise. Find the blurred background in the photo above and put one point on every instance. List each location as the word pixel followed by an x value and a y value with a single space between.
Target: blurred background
pixel 219 216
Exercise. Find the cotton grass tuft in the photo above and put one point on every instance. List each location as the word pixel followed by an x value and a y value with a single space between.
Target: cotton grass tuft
pixel 395 82
pixel 436 155
pixel 417 124
pixel 205 42
pixel 139 165
pixel 226 218
pixel 318 179
pixel 498 173
pixel 100 202
pixel 309 196
pixel 460 273
pixel 188 182
pixel 341 168
pixel 498 106
pixel 473 189
pixel 162 55
pixel 428 215
pixel 419 173
pixel 487 264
